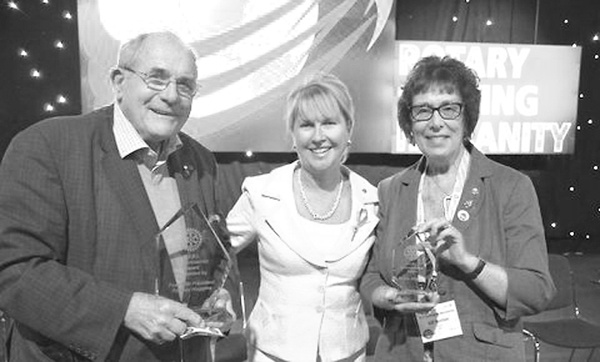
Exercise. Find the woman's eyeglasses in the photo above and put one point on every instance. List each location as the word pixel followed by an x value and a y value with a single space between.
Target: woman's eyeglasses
pixel 448 111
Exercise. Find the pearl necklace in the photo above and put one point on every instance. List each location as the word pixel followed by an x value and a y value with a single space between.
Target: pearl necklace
pixel 310 210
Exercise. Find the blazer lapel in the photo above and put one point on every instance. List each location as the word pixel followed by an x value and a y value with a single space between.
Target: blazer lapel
pixel 472 196
pixel 278 196
pixel 186 172
pixel 125 181
pixel 364 216
pixel 281 223
pixel 400 223
pixel 408 199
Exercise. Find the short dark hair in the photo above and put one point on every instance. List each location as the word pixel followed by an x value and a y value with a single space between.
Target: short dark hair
pixel 448 74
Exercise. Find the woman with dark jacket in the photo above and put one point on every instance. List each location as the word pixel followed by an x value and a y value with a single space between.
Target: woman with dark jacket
pixel 476 229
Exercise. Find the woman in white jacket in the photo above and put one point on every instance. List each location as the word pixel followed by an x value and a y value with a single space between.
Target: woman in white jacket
pixel 314 221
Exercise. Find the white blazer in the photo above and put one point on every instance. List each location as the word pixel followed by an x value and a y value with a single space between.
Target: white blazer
pixel 305 301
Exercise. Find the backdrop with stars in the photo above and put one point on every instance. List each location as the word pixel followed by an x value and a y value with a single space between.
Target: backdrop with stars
pixel 40 78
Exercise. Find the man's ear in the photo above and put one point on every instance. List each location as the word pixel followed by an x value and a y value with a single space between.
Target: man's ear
pixel 117 77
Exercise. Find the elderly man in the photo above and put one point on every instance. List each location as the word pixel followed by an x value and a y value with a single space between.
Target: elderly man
pixel 82 197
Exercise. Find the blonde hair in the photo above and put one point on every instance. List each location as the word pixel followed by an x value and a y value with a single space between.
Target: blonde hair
pixel 320 95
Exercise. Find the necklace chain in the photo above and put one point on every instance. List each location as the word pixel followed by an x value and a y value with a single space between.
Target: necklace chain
pixel 446 194
pixel 432 178
pixel 310 210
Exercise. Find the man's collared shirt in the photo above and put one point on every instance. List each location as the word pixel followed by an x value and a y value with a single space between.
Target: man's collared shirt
pixel 160 186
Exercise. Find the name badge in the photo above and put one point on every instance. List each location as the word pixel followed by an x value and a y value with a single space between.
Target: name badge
pixel 441 322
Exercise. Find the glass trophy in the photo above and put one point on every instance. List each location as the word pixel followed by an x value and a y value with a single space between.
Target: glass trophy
pixel 194 259
pixel 414 267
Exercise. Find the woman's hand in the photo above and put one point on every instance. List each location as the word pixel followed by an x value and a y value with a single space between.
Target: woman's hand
pixel 448 244
pixel 217 310
pixel 403 301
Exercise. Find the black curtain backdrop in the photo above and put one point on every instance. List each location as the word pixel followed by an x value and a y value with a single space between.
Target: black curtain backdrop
pixel 567 185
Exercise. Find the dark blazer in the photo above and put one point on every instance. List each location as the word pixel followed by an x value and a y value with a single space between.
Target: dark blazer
pixel 76 231
pixel 501 223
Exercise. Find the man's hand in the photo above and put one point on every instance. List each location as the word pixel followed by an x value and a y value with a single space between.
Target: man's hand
pixel 159 319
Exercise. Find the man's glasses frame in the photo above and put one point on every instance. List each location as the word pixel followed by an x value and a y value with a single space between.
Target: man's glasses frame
pixel 184 89
pixel 448 111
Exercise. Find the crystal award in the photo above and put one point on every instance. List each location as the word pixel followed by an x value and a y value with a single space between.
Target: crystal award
pixel 414 267
pixel 199 247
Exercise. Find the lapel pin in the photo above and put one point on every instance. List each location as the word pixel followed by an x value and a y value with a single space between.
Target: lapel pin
pixel 187 171
pixel 475 191
pixel 463 215
pixel 467 204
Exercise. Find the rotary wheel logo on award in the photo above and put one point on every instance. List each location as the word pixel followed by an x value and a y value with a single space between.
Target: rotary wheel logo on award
pixel 411 253
pixel 194 239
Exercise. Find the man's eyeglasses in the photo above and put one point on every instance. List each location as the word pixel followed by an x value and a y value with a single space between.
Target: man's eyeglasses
pixel 185 88
pixel 449 111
